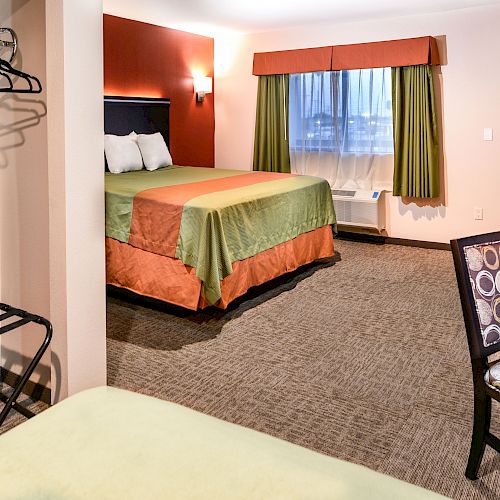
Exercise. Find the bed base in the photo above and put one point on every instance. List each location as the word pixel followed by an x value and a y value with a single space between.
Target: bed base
pixel 171 281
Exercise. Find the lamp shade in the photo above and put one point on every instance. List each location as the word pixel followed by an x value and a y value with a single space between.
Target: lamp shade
pixel 203 84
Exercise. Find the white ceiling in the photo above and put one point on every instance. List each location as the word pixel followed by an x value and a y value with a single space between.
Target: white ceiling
pixel 210 17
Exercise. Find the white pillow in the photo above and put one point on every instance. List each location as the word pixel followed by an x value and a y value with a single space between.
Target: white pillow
pixel 122 153
pixel 154 151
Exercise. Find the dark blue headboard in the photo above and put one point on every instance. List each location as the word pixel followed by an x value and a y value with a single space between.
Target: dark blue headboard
pixel 144 115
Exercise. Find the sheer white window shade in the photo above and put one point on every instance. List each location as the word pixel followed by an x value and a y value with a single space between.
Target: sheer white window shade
pixel 341 127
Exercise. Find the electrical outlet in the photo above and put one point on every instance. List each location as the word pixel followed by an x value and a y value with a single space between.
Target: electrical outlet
pixel 478 213
pixel 488 134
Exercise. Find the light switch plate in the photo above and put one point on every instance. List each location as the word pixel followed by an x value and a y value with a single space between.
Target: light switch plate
pixel 488 134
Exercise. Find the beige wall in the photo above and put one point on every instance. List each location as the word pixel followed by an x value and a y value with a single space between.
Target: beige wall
pixel 469 101
pixel 76 194
pixel 24 210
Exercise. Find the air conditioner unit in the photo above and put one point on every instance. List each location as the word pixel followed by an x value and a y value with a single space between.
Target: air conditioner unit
pixel 360 208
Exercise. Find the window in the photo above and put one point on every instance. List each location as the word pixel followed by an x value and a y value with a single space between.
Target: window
pixel 346 111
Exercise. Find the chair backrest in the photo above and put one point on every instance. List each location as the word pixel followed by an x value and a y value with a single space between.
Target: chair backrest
pixel 477 265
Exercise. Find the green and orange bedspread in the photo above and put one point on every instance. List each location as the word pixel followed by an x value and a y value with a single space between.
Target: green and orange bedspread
pixel 210 218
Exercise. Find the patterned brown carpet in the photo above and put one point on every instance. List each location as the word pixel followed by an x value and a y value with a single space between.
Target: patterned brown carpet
pixel 365 360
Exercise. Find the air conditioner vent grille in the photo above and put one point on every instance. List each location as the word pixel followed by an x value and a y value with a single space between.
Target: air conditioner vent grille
pixel 343 192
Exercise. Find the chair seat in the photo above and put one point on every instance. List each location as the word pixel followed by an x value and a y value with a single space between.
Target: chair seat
pixel 492 376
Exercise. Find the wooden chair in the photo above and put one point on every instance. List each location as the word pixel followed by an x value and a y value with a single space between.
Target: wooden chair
pixel 477 265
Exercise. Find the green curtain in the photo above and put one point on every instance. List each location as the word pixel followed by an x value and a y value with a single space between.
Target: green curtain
pixel 416 147
pixel 271 153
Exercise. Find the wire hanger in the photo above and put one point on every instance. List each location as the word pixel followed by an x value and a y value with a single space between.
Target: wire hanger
pixel 7 71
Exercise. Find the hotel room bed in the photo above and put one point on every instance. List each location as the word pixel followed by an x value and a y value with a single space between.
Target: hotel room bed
pixel 108 443
pixel 197 237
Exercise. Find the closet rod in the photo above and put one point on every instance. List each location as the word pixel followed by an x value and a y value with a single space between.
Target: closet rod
pixel 12 44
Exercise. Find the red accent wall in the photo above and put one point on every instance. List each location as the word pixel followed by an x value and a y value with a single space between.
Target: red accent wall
pixel 151 61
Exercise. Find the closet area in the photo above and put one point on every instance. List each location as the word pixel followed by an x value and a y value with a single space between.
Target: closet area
pixel 24 336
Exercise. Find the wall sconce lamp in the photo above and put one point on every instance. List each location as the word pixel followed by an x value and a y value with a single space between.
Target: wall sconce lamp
pixel 202 86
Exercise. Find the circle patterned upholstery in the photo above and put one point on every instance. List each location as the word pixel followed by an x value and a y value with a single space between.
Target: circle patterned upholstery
pixel 483 265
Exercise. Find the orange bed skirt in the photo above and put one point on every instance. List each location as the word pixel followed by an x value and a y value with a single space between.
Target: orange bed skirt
pixel 170 280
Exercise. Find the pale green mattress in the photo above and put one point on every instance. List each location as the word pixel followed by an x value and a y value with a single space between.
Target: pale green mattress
pixel 109 443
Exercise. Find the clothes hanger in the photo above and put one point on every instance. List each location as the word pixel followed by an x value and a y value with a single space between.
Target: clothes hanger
pixel 6 70
pixel 9 79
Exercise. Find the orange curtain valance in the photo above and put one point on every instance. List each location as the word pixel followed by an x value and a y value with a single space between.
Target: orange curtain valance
pixel 392 53
pixel 292 61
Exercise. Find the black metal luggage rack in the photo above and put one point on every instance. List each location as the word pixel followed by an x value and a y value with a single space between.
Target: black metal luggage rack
pixel 24 318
